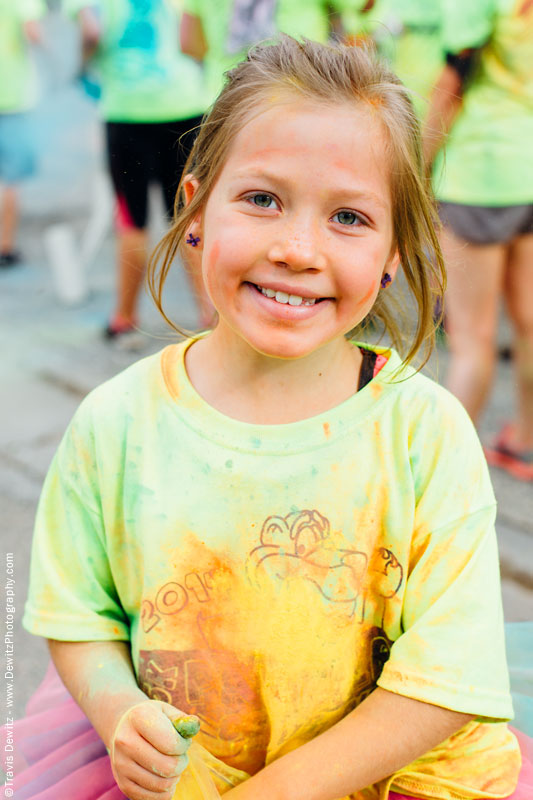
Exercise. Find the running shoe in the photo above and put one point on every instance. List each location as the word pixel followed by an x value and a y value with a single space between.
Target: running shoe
pixel 9 259
pixel 124 337
pixel 518 463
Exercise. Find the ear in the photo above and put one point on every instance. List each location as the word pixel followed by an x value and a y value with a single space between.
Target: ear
pixel 190 187
pixel 393 263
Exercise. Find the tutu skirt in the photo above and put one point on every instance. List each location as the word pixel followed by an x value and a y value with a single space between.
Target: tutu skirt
pixel 58 754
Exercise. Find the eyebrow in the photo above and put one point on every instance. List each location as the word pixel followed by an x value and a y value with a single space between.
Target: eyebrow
pixel 261 174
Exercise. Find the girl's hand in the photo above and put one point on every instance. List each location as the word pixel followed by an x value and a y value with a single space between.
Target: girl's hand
pixel 147 753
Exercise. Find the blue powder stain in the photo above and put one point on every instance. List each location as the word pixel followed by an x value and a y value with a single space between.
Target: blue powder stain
pixel 256 442
pixel 314 471
pixel 229 463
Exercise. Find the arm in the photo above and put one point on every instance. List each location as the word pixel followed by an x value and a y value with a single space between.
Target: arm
pixel 32 31
pixel 384 733
pixel 444 105
pixel 192 37
pixel 147 755
pixel 90 32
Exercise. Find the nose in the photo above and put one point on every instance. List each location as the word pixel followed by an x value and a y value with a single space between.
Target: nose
pixel 299 245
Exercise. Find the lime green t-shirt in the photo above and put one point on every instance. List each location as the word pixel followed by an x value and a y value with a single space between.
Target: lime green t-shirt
pixel 489 156
pixel 268 577
pixel 17 79
pixel 309 18
pixel 409 36
pixel 144 75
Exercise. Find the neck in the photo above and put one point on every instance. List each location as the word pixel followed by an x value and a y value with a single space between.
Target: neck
pixel 251 387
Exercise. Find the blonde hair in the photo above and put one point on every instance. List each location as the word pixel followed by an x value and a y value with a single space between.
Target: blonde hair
pixel 332 73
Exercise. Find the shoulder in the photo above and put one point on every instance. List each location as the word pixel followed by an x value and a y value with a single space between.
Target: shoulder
pixel 418 397
pixel 125 397
pixel 445 455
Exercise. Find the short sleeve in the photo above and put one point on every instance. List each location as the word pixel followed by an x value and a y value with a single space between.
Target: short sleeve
pixel 72 594
pixel 466 25
pixel 451 651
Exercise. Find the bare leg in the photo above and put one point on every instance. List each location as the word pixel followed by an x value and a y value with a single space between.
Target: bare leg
pixel 475 283
pixel 9 215
pixel 132 254
pixel 519 298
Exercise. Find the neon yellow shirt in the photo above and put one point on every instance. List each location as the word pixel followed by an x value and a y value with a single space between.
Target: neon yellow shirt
pixel 308 18
pixel 489 157
pixel 17 80
pixel 410 37
pixel 270 576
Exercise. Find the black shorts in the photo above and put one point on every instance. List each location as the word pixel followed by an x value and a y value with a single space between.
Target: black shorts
pixel 487 224
pixel 141 153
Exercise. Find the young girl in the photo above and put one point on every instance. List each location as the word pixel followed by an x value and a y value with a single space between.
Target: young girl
pixel 272 526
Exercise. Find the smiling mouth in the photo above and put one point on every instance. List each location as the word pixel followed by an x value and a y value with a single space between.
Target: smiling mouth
pixel 287 299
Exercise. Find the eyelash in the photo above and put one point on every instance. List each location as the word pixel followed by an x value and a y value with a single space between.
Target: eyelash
pixel 357 217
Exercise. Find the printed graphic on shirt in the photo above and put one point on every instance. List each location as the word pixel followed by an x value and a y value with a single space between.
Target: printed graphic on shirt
pixel 241 628
pixel 300 544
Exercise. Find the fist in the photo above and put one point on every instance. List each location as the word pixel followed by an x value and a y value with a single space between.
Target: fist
pixel 148 754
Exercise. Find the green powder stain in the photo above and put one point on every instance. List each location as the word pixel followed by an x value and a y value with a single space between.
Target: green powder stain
pixel 187 726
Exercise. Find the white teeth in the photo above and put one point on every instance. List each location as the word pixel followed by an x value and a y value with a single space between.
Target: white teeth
pixel 284 297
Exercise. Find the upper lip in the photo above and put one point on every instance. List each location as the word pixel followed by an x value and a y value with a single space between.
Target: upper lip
pixel 299 291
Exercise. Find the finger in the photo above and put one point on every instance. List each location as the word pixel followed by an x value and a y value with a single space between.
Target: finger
pixel 166 767
pixel 154 725
pixel 147 757
pixel 133 791
pixel 150 779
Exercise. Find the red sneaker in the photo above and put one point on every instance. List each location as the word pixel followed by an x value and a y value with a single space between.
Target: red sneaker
pixel 518 463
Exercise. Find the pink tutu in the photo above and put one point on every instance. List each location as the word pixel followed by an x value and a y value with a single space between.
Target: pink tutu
pixel 58 754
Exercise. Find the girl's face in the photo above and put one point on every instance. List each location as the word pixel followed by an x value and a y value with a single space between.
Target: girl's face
pixel 297 231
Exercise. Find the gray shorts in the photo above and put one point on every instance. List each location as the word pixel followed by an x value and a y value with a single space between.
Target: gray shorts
pixel 487 224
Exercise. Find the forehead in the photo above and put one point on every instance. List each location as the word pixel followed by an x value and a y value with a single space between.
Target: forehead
pixel 345 139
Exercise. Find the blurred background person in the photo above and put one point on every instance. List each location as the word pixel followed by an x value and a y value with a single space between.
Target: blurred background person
pixel 482 106
pixel 152 100
pixel 408 33
pixel 220 31
pixel 19 28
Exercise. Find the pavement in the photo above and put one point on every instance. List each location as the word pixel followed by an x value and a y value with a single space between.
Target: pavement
pixel 54 353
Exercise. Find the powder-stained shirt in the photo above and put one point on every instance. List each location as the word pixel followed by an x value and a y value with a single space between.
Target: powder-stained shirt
pixel 489 156
pixel 17 79
pixel 269 577
pixel 144 75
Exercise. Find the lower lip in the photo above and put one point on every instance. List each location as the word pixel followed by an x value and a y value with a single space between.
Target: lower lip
pixel 285 311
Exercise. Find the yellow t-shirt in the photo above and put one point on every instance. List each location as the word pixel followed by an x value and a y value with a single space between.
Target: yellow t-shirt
pixel 270 576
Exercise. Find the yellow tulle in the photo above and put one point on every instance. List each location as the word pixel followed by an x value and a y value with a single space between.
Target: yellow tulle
pixel 206 777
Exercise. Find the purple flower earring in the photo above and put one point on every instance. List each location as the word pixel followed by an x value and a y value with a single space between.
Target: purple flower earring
pixel 386 279
pixel 192 240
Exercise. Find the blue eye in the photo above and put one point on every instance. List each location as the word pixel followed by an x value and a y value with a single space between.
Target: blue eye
pixel 263 200
pixel 347 218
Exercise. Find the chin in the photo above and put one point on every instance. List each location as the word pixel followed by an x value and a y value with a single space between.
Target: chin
pixel 285 350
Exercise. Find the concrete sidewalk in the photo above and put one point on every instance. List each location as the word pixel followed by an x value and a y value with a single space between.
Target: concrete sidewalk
pixel 53 355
